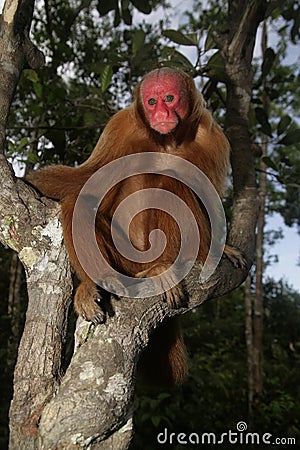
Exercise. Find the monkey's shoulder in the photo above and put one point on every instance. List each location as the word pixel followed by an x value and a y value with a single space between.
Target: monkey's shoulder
pixel 122 135
pixel 123 122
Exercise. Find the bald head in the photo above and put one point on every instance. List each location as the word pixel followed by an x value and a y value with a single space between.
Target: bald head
pixel 165 98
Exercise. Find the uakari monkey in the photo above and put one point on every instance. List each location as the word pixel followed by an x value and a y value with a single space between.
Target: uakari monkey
pixel 168 115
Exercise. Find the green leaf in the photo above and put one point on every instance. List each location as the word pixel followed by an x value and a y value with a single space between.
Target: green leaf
pixel 178 37
pixel 105 7
pixel 283 124
pixel 127 17
pixel 156 420
pixel 269 58
pixel 32 157
pixel 193 37
pixel 216 62
pixel 97 67
pixel 164 395
pixel 176 59
pixel 89 118
pixel 142 5
pixel 31 75
pixel 216 68
pixel 138 41
pixel 183 60
pixel 209 41
pixel 106 77
pixel 269 162
pixel 293 137
pixel 38 89
pixel 117 18
pixel 126 14
pixel 263 120
pixel 23 142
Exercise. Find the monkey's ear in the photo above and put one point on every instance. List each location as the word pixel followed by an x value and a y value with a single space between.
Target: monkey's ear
pixel 136 91
pixel 139 107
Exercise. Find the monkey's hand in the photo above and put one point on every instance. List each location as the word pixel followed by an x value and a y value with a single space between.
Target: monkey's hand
pixel 86 302
pixel 235 256
pixel 173 295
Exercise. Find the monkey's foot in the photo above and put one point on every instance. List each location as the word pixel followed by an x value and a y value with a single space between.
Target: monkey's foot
pixel 175 297
pixel 86 303
pixel 173 294
pixel 235 256
pixel 113 285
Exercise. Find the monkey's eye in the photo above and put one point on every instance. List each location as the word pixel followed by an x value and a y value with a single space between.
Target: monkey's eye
pixel 152 101
pixel 169 98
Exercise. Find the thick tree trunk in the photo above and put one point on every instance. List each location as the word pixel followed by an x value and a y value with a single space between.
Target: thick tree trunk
pixel 237 51
pixel 38 368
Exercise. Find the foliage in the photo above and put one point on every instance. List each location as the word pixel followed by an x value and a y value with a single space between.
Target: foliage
pixel 280 122
pixel 214 398
pixel 9 338
pixel 59 111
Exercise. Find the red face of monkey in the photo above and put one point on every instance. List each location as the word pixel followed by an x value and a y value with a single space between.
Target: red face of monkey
pixel 164 100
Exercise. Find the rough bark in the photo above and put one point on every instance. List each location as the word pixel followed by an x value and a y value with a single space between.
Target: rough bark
pixel 38 367
pixel 14 307
pixel 249 345
pixel 91 406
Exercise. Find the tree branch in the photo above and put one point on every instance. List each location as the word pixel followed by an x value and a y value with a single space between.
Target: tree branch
pixel 245 17
pixel 237 53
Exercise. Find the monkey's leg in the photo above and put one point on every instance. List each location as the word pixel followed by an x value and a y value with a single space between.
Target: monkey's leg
pixel 173 293
pixel 87 300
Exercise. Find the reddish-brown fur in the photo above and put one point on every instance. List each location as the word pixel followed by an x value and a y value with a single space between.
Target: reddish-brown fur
pixel 196 138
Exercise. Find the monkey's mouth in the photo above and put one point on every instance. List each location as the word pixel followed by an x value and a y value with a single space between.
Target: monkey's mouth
pixel 165 127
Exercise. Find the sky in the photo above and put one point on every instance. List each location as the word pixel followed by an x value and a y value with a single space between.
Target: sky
pixel 288 251
pixel 288 248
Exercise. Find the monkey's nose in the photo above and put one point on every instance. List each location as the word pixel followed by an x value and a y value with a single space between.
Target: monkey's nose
pixel 161 113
